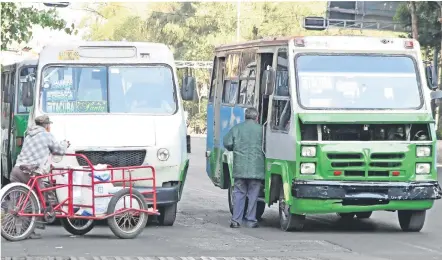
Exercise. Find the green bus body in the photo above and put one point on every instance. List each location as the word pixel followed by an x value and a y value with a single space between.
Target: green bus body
pixel 364 160
pixel 13 131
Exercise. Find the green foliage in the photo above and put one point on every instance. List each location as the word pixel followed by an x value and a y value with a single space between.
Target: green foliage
pixel 428 21
pixel 17 22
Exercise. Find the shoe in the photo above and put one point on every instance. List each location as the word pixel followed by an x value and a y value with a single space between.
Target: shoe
pixel 34 236
pixel 252 224
pixel 234 224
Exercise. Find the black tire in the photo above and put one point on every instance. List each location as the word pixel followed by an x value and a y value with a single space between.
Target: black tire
pixel 411 221
pixel 112 222
pixel 287 220
pixel 364 215
pixel 167 215
pixel 78 230
pixel 260 207
pixel 347 216
pixel 35 210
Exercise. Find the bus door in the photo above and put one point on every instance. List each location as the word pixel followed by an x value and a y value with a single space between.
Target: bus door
pixel 279 113
pixel 7 109
pixel 21 115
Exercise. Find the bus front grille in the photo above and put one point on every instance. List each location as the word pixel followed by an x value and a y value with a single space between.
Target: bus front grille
pixel 113 158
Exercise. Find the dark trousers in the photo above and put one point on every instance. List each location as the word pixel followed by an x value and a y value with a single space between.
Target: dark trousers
pixel 245 188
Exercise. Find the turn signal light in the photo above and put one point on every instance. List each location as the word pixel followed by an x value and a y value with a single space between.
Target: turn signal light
pixel 395 173
pixel 409 44
pixel 337 173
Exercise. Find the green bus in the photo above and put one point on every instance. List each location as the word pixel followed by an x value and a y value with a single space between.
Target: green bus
pixel 348 126
pixel 14 120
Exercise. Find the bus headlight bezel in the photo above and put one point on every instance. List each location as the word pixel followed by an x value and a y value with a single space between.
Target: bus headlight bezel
pixel 163 154
pixel 423 168
pixel 308 151
pixel 423 151
pixel 308 168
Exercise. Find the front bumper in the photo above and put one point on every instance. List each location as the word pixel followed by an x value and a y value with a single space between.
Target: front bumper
pixel 360 191
pixel 165 195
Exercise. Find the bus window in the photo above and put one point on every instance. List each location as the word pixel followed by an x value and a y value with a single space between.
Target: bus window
pixel 281 109
pixel 230 92
pixel 231 79
pixel 282 75
pixel 141 90
pixel 247 79
pixel 24 72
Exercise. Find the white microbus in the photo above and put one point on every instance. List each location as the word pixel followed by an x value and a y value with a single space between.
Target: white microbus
pixel 118 103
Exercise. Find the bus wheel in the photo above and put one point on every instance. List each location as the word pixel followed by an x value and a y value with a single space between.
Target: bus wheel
pixel 260 207
pixel 346 216
pixel 411 221
pixel 287 220
pixel 363 215
pixel 167 214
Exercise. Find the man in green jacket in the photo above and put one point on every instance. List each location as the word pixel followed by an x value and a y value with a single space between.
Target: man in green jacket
pixel 245 140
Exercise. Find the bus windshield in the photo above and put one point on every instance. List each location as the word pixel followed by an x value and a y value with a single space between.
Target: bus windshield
pixel 357 82
pixel 108 89
pixel 24 72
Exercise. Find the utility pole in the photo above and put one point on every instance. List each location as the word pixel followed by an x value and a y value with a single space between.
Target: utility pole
pixel 238 13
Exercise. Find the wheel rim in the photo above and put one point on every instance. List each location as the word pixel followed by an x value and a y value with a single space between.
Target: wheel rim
pixel 130 221
pixel 80 224
pixel 12 224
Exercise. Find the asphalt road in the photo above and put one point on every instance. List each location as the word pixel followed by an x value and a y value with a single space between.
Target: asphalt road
pixel 202 229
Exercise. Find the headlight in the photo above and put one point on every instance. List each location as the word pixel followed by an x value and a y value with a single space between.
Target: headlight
pixel 308 168
pixel 423 168
pixel 308 151
pixel 163 154
pixel 423 151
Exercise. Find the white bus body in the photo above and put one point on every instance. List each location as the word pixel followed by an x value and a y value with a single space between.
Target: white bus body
pixel 119 104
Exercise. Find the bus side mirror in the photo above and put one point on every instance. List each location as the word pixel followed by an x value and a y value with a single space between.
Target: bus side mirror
pixel 268 82
pixel 430 80
pixel 27 95
pixel 188 88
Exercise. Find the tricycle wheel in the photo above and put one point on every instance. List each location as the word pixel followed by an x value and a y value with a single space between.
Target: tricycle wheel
pixel 13 200
pixel 77 226
pixel 127 224
pixel 411 221
pixel 167 215
pixel 287 220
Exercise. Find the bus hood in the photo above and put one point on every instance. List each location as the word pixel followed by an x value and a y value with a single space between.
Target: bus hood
pixel 365 118
pixel 104 131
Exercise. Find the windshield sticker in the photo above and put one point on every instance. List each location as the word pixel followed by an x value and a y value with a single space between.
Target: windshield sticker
pixel 59 95
pixel 68 55
pixel 77 107
pixel 61 84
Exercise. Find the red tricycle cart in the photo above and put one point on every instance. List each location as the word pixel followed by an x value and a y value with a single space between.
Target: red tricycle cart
pixel 78 197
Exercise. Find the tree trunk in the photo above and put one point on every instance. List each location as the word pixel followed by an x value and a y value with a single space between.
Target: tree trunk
pixel 414 20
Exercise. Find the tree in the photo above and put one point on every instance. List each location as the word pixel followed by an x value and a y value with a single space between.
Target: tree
pixel 17 22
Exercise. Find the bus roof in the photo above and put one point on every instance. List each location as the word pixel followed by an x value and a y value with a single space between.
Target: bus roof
pixel 107 51
pixel 21 63
pixel 363 42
